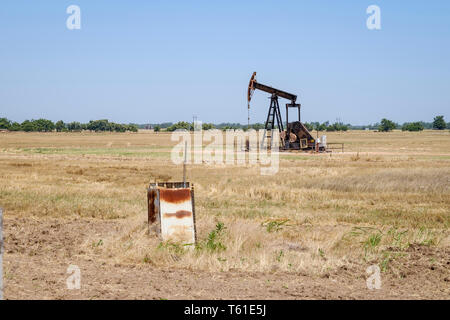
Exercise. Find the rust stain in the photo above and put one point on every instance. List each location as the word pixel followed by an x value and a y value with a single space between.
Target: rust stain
pixel 175 195
pixel 179 214
pixel 151 196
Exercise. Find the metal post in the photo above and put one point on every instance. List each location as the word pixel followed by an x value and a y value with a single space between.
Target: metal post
pixel 1 254
pixel 279 119
pixel 248 116
pixel 287 120
pixel 317 141
pixel 184 163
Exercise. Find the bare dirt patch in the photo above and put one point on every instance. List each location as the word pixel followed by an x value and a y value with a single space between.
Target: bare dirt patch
pixel 38 253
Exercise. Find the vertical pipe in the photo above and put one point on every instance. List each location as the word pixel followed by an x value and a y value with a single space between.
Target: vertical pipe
pixel 248 115
pixel 317 141
pixel 287 119
pixel 184 164
pixel 193 212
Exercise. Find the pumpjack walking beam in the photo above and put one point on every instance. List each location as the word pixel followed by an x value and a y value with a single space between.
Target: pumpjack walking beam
pixel 274 109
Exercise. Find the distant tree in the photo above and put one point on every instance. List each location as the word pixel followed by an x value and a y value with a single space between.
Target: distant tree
pixel 309 126
pixel 386 125
pixel 27 126
pixel 99 125
pixel 59 126
pixel 314 125
pixel 412 126
pixel 74 126
pixel 157 128
pixel 338 126
pixel 439 123
pixel 4 123
pixel 180 125
pixel 322 126
pixel 228 126
pixel 117 127
pixel 132 128
pixel 15 126
pixel 257 126
pixel 207 126
pixel 43 125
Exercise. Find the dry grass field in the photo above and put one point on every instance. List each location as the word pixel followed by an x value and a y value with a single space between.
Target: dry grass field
pixel 309 231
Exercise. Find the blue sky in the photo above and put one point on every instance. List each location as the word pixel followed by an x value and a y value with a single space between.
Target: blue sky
pixel 157 61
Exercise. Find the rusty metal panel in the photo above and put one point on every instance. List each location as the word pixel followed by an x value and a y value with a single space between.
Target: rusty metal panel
pixel 152 196
pixel 171 211
pixel 177 217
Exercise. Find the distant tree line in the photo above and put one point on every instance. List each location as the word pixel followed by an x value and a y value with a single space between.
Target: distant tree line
pixel 384 125
pixel 326 126
pixel 44 125
pixel 412 126
pixel 208 126
pixel 437 124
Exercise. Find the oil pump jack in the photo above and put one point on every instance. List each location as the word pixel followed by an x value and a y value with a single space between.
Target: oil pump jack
pixel 296 136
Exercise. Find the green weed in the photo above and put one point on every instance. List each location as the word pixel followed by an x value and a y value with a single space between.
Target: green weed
pixel 275 225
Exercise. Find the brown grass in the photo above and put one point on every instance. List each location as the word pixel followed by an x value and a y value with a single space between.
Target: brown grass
pixel 388 191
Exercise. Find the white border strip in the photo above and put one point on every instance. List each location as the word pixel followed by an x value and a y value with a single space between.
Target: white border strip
pixel 1 254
